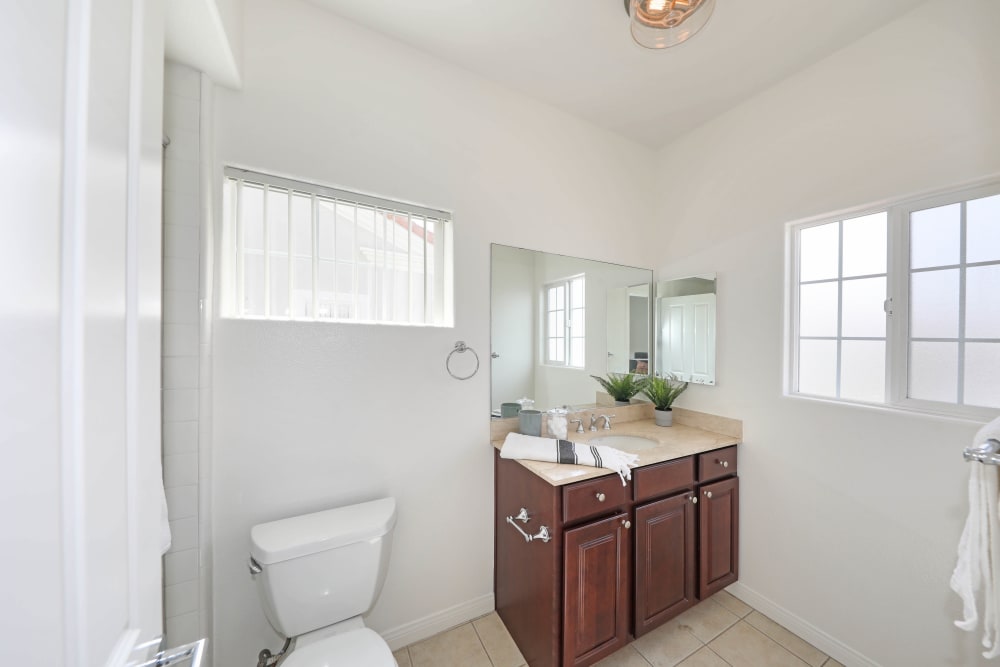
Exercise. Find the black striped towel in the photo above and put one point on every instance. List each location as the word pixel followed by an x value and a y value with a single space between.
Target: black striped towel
pixel 518 446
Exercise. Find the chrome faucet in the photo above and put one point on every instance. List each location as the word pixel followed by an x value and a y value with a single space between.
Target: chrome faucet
pixel 607 421
pixel 579 424
pixel 593 422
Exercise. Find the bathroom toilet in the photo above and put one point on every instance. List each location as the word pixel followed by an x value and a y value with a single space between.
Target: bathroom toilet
pixel 316 574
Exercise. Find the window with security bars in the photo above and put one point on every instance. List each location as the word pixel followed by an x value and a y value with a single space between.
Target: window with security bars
pixel 901 306
pixel 308 252
pixel 565 332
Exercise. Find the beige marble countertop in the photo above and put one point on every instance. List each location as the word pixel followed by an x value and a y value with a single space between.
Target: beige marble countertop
pixel 675 442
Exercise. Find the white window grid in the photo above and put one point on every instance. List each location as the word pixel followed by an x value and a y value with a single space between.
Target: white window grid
pixel 565 316
pixel 406 241
pixel 897 302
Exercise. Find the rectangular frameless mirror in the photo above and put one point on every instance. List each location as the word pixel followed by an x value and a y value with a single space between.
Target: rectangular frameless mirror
pixel 685 328
pixel 556 320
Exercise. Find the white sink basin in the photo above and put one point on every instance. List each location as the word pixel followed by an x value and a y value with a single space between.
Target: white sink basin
pixel 629 443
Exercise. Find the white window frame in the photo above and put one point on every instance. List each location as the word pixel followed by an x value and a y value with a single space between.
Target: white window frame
pixel 566 284
pixel 442 289
pixel 897 301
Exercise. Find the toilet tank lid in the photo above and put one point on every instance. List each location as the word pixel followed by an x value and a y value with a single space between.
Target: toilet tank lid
pixel 298 536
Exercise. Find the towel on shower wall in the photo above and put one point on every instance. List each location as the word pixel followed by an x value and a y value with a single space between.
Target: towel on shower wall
pixel 518 446
pixel 978 564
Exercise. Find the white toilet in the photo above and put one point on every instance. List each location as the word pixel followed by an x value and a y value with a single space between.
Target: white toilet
pixel 317 574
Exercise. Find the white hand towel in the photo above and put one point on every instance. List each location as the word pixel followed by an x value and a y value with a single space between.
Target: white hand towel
pixel 518 446
pixel 979 549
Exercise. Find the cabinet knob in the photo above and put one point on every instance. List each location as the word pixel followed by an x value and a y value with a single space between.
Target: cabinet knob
pixel 708 494
pixel 600 497
pixel 627 524
pixel 724 464
pixel 694 499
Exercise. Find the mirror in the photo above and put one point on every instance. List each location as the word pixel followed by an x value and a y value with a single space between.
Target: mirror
pixel 556 320
pixel 685 328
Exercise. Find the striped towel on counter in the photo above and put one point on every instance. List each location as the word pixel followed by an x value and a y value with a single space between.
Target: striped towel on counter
pixel 518 446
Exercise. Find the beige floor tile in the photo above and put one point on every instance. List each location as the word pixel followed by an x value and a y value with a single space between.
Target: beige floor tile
pixel 459 647
pixel 402 657
pixel 832 663
pixel 706 620
pixel 706 657
pixel 732 603
pixel 501 648
pixel 793 643
pixel 667 645
pixel 625 657
pixel 745 646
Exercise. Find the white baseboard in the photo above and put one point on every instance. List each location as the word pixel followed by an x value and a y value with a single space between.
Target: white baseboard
pixel 446 619
pixel 807 631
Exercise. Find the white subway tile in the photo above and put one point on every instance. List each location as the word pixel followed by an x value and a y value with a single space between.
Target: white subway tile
pixel 181 208
pixel 180 175
pixel 180 307
pixel 180 598
pixel 183 629
pixel 182 501
pixel 180 566
pixel 180 405
pixel 180 241
pixel 180 372
pixel 183 534
pixel 180 470
pixel 180 340
pixel 180 437
pixel 180 274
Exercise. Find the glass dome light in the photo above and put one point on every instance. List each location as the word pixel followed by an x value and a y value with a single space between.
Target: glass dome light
pixel 657 24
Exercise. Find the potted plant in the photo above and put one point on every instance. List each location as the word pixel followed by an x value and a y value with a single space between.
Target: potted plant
pixel 663 391
pixel 622 386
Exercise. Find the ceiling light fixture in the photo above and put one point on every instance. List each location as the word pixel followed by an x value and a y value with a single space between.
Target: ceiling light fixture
pixel 657 24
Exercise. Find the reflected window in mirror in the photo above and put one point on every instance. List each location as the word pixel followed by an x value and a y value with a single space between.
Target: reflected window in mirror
pixel 565 317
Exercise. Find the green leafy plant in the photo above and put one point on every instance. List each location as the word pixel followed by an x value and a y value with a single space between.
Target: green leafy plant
pixel 622 386
pixel 663 391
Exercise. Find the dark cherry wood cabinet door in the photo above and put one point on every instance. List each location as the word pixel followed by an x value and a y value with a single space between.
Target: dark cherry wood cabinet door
pixel 595 590
pixel 664 560
pixel 719 541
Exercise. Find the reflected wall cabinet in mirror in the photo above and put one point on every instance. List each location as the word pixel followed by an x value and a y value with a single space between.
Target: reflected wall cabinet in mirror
pixel 685 328
pixel 556 320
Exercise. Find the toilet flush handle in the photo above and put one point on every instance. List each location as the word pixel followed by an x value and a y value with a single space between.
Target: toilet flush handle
pixel 254 566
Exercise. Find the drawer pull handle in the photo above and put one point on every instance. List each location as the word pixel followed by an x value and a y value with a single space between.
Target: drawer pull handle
pixel 627 524
pixel 542 534
pixel 724 464
pixel 708 494
pixel 600 497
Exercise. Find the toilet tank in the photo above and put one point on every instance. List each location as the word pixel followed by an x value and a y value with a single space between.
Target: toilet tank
pixel 322 568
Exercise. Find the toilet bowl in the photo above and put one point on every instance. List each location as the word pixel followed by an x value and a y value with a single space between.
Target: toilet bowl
pixel 317 574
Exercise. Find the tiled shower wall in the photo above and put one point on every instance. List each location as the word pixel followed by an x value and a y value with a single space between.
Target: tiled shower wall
pixel 186 410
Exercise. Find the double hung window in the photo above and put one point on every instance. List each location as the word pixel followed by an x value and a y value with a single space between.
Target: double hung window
pixel 565 327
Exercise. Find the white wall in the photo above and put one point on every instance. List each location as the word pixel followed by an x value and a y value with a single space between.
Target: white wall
pixel 314 415
pixel 850 516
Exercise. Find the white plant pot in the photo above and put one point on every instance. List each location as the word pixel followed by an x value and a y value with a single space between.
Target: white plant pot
pixel 664 417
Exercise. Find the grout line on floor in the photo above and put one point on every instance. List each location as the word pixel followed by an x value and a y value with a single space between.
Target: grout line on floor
pixel 718 656
pixel 481 642
pixel 771 639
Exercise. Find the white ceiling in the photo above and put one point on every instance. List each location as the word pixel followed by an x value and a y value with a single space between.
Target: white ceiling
pixel 578 55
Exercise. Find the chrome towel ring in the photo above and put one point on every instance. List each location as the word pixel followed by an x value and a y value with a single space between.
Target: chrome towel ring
pixel 461 348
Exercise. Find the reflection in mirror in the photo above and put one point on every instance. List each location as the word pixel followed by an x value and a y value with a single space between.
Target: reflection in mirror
pixel 557 320
pixel 685 328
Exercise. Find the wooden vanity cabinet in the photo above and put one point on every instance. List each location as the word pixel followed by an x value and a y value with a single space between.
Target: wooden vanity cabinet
pixel 621 560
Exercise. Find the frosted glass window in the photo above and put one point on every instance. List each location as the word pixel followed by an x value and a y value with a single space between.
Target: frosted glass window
pixel 934 300
pixel 982 242
pixel 818 367
pixel 333 255
pixel 818 309
pixel 863 308
pixel 934 371
pixel 982 302
pixel 982 374
pixel 862 364
pixel 935 236
pixel 865 245
pixel 819 249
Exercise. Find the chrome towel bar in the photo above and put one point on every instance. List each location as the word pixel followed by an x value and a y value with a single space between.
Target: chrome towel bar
pixel 523 516
pixel 988 452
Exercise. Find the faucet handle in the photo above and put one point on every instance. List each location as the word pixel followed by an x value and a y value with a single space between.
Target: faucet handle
pixel 579 424
pixel 607 421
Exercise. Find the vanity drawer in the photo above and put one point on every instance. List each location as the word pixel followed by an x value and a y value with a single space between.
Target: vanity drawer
pixel 593 497
pixel 660 479
pixel 716 464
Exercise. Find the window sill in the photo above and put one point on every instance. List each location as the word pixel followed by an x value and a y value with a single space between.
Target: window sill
pixel 963 414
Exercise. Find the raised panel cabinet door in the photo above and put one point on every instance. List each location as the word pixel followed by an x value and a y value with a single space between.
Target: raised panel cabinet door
pixel 719 541
pixel 664 560
pixel 595 585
